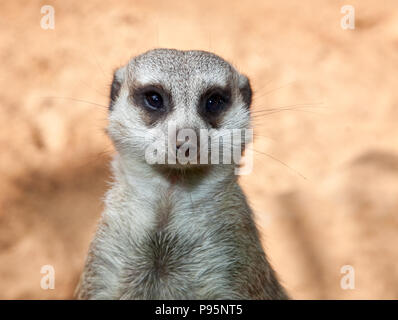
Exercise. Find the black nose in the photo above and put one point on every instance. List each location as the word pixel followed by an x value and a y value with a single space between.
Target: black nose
pixel 179 144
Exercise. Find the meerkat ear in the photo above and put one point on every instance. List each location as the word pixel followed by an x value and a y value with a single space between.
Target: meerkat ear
pixel 245 90
pixel 118 78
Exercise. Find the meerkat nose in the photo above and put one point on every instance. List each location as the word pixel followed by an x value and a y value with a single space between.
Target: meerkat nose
pixel 179 144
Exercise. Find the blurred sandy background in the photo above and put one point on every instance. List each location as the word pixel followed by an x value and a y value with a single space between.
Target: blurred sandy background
pixel 340 132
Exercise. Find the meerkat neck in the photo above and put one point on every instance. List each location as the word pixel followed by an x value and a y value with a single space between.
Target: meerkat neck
pixel 151 200
pixel 133 174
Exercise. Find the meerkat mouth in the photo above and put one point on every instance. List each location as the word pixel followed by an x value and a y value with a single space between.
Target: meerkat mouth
pixel 183 172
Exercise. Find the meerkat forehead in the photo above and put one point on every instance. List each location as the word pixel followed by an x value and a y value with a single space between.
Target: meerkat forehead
pixel 174 67
pixel 165 83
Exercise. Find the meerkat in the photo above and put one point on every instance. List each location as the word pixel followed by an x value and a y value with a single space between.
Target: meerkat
pixel 176 231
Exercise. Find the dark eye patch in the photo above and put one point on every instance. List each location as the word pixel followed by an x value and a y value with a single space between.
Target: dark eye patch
pixel 154 100
pixel 246 92
pixel 213 104
pixel 115 89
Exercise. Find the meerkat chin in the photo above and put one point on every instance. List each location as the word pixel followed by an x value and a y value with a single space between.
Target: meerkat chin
pixel 174 225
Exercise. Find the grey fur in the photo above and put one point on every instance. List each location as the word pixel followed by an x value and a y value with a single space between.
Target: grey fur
pixel 167 233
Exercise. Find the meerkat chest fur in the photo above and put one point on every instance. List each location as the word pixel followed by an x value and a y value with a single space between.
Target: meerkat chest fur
pixel 172 242
pixel 176 229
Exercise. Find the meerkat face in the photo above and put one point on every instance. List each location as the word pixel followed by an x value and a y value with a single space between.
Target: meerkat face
pixel 165 95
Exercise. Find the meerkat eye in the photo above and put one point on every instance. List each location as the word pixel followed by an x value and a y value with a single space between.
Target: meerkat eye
pixel 215 103
pixel 153 100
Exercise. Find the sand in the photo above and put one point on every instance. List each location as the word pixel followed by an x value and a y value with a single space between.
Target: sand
pixel 324 186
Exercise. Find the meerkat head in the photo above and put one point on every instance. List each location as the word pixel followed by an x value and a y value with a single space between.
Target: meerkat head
pixel 165 95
